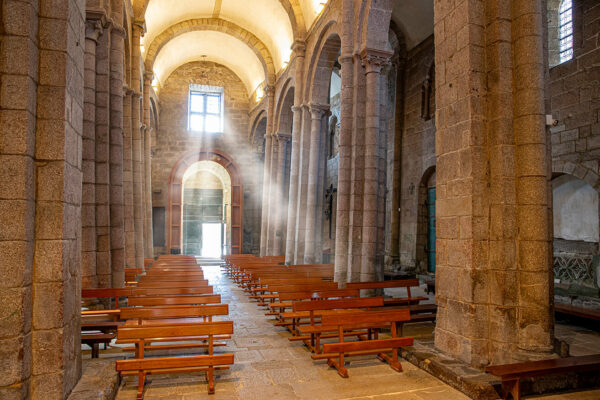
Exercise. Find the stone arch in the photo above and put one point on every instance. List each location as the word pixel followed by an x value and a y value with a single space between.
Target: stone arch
pixel 257 139
pixel 578 171
pixel 294 11
pixel 217 25
pixel 422 218
pixel 284 113
pixel 174 225
pixel 324 55
pixel 375 14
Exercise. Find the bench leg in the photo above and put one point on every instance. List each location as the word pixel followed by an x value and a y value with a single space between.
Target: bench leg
pixel 95 350
pixel 513 387
pixel 341 369
pixel 141 381
pixel 211 380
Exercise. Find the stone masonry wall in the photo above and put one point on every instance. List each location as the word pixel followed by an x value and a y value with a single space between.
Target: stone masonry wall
pixel 173 140
pixel 418 149
pixel 575 98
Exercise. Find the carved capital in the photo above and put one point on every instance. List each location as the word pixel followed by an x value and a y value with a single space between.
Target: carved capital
pixel 299 48
pixel 318 111
pixel 296 109
pixel 148 76
pixel 93 29
pixel 283 137
pixel 270 90
pixel 374 60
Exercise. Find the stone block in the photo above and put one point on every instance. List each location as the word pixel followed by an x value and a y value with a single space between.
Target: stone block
pixel 15 313
pixel 15 361
pixel 48 304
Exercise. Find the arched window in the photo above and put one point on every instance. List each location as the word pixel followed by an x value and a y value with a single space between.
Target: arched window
pixel 565 34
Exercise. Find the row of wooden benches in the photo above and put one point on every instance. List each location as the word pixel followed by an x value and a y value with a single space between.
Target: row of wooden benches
pixel 169 316
pixel 280 288
pixel 320 310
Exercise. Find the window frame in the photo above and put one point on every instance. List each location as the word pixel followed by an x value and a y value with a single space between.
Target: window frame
pixel 565 53
pixel 206 91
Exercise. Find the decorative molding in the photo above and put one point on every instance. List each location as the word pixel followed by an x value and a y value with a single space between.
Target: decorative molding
pixel 374 60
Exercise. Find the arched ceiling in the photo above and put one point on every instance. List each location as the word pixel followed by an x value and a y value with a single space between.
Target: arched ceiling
pixel 415 19
pixel 210 46
pixel 266 19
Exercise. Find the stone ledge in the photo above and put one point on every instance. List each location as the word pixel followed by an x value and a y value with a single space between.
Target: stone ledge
pixel 481 386
pixel 100 381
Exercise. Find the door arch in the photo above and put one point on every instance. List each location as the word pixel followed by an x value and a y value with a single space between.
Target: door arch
pixel 176 197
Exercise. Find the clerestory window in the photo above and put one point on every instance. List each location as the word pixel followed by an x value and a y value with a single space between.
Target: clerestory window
pixel 565 34
pixel 206 109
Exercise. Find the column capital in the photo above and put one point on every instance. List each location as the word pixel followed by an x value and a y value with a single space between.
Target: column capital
pixel 139 24
pixel 283 137
pixel 270 90
pixel 127 91
pixel 148 76
pixel 299 48
pixel 93 29
pixel 296 109
pixel 374 60
pixel 317 111
pixel 346 58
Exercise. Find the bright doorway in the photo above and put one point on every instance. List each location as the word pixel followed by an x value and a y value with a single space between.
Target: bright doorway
pixel 212 243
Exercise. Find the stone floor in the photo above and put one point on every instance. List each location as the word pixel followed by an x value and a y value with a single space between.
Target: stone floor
pixel 268 366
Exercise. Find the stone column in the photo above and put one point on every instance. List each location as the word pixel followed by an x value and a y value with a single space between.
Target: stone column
pixel 317 112
pixel 103 270
pixel 302 185
pixel 117 228
pixel 282 140
pixel 345 150
pixel 299 49
pixel 138 197
pixel 494 270
pixel 148 237
pixel 128 180
pixel 93 29
pixel 55 299
pixel 373 61
pixel 273 191
pixel 264 226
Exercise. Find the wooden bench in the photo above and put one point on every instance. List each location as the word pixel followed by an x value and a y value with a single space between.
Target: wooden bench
pixel 94 339
pixel 286 299
pixel 577 311
pixel 174 315
pixel 368 320
pixel 174 300
pixel 401 283
pixel 274 290
pixel 141 366
pixel 511 374
pixel 174 284
pixel 313 310
pixel 131 275
pixel 171 291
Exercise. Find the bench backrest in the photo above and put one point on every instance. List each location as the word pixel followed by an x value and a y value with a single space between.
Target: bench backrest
pixel 164 363
pixel 299 287
pixel 173 312
pixel 363 302
pixel 383 284
pixel 175 284
pixel 175 331
pixel 141 291
pixel 175 300
pixel 118 292
pixel 370 317
pixel 172 278
pixel 288 281
pixel 319 294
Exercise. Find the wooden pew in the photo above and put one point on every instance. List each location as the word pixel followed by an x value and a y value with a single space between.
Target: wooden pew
pixel 315 309
pixel 286 299
pixel 402 283
pixel 131 275
pixel 174 315
pixel 95 339
pixel 577 311
pixel 174 300
pixel 370 319
pixel 511 374
pixel 171 291
pixel 173 284
pixel 274 290
pixel 141 366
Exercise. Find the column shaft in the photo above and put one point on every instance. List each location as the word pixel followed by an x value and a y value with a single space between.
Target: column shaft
pixel 265 197
pixel 128 181
pixel 138 198
pixel 302 185
pixel 279 196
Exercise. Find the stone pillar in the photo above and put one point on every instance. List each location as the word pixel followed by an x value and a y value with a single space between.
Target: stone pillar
pixel 302 185
pixel 128 180
pixel 279 198
pixel 93 29
pixel 373 62
pixel 345 150
pixel 316 112
pixel 274 190
pixel 103 270
pixel 56 299
pixel 138 195
pixel 494 270
pixel 117 228
pixel 264 225
pixel 299 49
pixel 148 236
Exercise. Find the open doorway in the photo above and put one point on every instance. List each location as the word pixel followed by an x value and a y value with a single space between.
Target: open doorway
pixel 206 202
